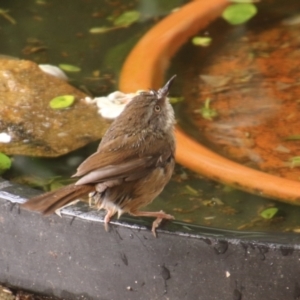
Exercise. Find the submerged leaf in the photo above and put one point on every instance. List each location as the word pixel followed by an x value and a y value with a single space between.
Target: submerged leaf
pixel 239 13
pixel 282 149
pixel 215 81
pixel 32 181
pixel 55 185
pixel 174 100
pixel 191 191
pixel 127 18
pixel 69 68
pixel 269 213
pixel 294 161
pixel 116 56
pixel 99 30
pixel 294 137
pixel 62 101
pixel 4 14
pixel 5 163
pixel 203 41
pixel 291 21
pixel 206 111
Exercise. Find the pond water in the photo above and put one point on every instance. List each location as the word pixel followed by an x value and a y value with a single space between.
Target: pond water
pixel 56 32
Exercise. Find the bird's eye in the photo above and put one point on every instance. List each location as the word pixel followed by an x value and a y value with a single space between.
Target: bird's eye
pixel 157 108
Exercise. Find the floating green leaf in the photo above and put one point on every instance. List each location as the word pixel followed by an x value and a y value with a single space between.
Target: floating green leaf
pixel 206 111
pixel 203 41
pixel 239 13
pixel 61 102
pixel 124 20
pixel 127 18
pixel 5 163
pixel 269 213
pixel 69 68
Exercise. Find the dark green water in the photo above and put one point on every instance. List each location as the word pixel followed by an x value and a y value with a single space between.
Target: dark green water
pixel 61 29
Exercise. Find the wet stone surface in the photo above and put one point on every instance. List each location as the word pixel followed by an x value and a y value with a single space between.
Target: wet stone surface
pixel 39 254
pixel 7 293
pixel 34 127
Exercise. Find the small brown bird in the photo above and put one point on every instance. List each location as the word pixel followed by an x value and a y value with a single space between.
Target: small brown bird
pixel 133 163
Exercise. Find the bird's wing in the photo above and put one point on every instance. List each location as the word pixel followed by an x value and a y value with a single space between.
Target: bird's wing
pixel 122 170
pixel 121 158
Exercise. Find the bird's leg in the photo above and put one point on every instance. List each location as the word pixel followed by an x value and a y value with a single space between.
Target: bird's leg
pixel 95 197
pixel 91 197
pixel 58 211
pixel 95 200
pixel 159 215
pixel 107 218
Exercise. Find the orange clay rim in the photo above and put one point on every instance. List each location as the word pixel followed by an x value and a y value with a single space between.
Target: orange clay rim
pixel 144 68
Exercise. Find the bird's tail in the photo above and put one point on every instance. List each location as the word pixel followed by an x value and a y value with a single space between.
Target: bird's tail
pixel 49 202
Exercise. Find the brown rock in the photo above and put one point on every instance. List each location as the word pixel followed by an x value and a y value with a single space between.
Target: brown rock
pixel 35 128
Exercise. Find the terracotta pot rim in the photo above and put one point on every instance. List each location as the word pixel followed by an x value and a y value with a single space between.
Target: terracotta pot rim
pixel 144 68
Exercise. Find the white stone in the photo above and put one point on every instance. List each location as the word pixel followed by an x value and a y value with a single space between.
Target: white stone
pixel 54 71
pixel 4 137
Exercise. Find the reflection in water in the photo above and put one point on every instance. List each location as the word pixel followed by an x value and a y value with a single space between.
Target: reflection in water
pixel 255 93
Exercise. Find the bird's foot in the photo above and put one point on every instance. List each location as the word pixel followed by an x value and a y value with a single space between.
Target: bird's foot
pixel 58 211
pixel 107 220
pixel 160 215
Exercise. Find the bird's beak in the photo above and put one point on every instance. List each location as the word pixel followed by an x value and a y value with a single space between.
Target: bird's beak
pixel 164 91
